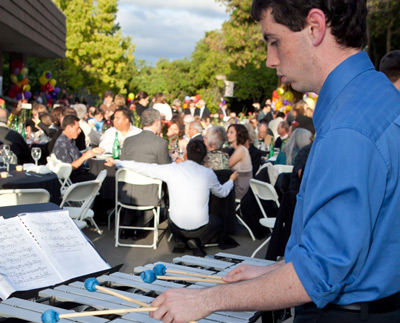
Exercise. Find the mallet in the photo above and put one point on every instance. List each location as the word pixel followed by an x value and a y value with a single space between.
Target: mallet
pixel 92 284
pixel 150 276
pixel 161 270
pixel 51 316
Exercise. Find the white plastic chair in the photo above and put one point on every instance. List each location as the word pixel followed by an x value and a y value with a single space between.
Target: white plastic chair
pixel 85 193
pixel 128 176
pixel 21 196
pixel 62 170
pixel 239 217
pixel 266 192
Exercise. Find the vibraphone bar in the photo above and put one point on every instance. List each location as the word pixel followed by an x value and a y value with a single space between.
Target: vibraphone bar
pixel 76 298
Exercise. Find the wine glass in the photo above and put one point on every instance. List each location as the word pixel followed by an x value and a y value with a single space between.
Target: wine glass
pixel 7 155
pixel 36 153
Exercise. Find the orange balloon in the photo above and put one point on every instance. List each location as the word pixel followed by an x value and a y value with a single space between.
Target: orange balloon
pixel 278 105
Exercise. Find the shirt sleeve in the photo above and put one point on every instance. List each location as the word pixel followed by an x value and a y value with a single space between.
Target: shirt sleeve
pixel 161 172
pixel 335 213
pixel 217 189
pixel 106 141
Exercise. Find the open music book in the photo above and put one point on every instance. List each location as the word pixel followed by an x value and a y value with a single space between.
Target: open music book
pixel 43 249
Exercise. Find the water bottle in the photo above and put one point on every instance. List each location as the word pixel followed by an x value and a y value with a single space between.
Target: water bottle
pixel 116 147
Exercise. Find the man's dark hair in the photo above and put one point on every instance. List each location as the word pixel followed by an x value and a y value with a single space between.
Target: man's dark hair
pixel 149 116
pixel 69 121
pixel 196 151
pixel 242 135
pixel 108 93
pixel 346 18
pixel 140 95
pixel 67 111
pixel 390 65
pixel 127 113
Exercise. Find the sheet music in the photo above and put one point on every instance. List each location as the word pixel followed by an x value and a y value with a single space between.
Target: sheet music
pixel 22 266
pixel 63 242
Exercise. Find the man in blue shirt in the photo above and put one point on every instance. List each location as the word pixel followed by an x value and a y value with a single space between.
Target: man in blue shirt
pixel 343 257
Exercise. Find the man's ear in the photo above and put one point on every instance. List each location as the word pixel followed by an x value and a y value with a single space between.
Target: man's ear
pixel 316 24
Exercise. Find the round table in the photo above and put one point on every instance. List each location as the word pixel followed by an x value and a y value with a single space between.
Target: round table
pixel 32 180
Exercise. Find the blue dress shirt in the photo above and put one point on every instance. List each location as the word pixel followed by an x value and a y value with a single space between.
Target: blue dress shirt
pixel 345 241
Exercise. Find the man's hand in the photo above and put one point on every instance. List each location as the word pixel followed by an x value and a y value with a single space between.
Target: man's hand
pixel 88 154
pixel 234 176
pixel 181 305
pixel 98 150
pixel 110 162
pixel 246 272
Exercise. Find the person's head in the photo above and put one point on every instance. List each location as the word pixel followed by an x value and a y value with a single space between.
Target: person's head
pixel 195 127
pixel 191 104
pixel 122 119
pixel 173 130
pixel 108 97
pixel 119 101
pixel 283 128
pixel 38 108
pixel 252 133
pixel 176 104
pixel 66 111
pixel 253 122
pixel 45 118
pixel 279 114
pixel 300 137
pixel 307 39
pixel 142 98
pixel 262 130
pixel 215 138
pixel 55 115
pixel 267 107
pixel 81 110
pixel 201 103
pixel 151 118
pixel 3 115
pixel 237 134
pixel 196 151
pixel 91 112
pixel 390 66
pixel 299 108
pixel 70 126
pixel 160 98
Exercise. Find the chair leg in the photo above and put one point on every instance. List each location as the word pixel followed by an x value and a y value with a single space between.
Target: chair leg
pixel 246 226
pixel 109 218
pixel 262 245
pixel 117 212
pixel 93 222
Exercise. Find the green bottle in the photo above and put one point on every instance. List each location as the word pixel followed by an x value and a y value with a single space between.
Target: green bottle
pixel 23 133
pixel 271 148
pixel 116 148
pixel 15 126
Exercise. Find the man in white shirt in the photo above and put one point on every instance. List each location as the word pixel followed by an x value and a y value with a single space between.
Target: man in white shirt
pixel 189 185
pixel 122 126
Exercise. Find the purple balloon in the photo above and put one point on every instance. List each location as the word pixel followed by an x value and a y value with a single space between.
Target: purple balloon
pixel 27 95
pixel 48 96
pixel 54 94
pixel 16 71
pixel 285 102
pixel 48 75
pixel 19 96
pixel 57 90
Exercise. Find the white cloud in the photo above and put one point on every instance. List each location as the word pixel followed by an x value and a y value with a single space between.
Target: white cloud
pixel 168 28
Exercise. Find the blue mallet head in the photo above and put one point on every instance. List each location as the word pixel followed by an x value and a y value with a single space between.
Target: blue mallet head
pixel 50 316
pixel 148 276
pixel 91 283
pixel 160 270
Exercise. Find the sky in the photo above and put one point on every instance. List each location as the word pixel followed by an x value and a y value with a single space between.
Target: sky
pixel 168 28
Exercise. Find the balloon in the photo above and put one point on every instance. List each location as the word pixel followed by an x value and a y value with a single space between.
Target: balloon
pixel 275 94
pixel 288 108
pixel 15 88
pixel 17 64
pixel 198 97
pixel 187 98
pixel 54 94
pixel 131 96
pixel 50 101
pixel 16 71
pixel 288 96
pixel 48 75
pixel 57 90
pixel 20 77
pixel 184 105
pixel 11 94
pixel 27 87
pixel 43 88
pixel 48 96
pixel 280 91
pixel 13 78
pixel 24 81
pixel 43 80
pixel 27 95
pixel 278 105
pixel 311 103
pixel 18 96
pixel 53 82
pixel 24 71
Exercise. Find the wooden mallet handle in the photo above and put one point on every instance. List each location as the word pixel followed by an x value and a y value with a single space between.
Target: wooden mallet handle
pixel 193 274
pixel 107 312
pixel 192 279
pixel 106 290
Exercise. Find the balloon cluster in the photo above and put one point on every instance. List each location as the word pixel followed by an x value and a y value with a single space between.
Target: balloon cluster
pixel 311 99
pixel 48 86
pixel 21 88
pixel 282 100
pixel 221 103
pixel 195 98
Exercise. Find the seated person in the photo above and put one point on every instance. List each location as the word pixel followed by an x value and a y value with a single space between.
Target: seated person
pixel 214 139
pixel 10 137
pixel 189 217
pixel 264 135
pixel 283 132
pixel 66 150
pixel 255 153
pixel 33 124
pixel 300 137
pixel 122 126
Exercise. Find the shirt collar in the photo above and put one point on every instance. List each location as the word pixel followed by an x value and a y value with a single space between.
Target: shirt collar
pixel 336 81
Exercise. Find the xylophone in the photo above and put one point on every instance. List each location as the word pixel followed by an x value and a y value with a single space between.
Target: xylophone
pixel 75 297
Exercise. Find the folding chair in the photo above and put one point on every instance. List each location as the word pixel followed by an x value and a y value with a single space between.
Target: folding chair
pixel 62 170
pixel 83 192
pixel 128 176
pixel 11 197
pixel 239 217
pixel 264 191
